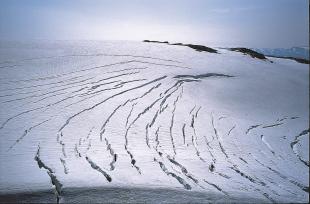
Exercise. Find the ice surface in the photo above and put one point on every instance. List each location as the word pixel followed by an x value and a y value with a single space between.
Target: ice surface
pixel 92 116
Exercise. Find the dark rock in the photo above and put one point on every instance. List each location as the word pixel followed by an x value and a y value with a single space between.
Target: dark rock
pixel 155 41
pixel 250 52
pixel 177 44
pixel 211 167
pixel 200 48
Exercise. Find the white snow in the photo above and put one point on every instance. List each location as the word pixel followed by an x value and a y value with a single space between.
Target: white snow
pixel 88 111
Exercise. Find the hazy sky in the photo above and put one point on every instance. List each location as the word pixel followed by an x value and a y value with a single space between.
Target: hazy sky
pixel 251 23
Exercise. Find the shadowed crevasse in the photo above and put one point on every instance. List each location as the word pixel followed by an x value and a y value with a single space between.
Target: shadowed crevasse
pixel 201 76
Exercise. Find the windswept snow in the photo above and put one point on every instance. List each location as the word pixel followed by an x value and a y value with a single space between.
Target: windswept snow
pixel 96 116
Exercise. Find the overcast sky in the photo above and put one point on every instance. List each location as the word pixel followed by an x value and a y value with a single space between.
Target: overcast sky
pixel 251 23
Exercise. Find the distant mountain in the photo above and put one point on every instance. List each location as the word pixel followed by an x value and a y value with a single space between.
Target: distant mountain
pixel 296 52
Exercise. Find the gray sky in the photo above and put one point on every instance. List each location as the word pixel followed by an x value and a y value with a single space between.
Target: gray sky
pixel 251 23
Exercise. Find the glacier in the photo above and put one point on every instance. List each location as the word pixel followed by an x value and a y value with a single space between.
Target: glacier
pixel 120 121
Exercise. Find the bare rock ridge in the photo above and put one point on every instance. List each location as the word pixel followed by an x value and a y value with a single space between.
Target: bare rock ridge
pixel 201 48
pixel 243 50
pixel 250 52
pixel 155 41
pixel 198 48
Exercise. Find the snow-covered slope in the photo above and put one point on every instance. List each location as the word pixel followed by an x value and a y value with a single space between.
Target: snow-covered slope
pixel 102 115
